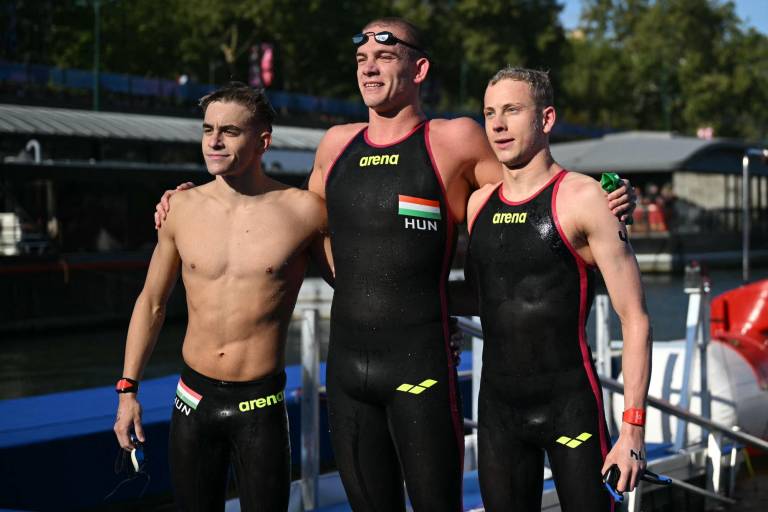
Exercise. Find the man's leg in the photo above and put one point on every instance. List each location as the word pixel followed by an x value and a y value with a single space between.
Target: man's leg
pixel 423 427
pixel 199 459
pixel 261 448
pixel 511 467
pixel 576 464
pixel 364 453
pixel 426 427
pixel 511 471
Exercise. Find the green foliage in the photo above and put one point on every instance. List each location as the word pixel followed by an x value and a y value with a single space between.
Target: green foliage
pixel 633 64
pixel 668 65
pixel 209 39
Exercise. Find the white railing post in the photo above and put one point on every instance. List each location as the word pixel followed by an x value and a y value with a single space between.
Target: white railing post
pixel 603 349
pixel 732 460
pixel 310 408
pixel 703 340
pixel 693 287
pixel 477 369
pixel 635 498
pixel 714 462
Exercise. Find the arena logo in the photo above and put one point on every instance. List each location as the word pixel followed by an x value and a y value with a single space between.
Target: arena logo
pixel 260 403
pixel 379 160
pixel 510 218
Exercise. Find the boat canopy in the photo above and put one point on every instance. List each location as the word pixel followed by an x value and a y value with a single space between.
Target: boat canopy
pixel 655 152
pixel 39 121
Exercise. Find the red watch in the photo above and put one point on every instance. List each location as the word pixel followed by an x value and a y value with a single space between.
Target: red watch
pixel 634 416
pixel 126 385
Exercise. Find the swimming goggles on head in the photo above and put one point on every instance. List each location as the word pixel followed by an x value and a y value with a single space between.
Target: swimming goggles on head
pixel 385 37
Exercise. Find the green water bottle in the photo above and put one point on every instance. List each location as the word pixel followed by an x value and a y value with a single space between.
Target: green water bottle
pixel 610 181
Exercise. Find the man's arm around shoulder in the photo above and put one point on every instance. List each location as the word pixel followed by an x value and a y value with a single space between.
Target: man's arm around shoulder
pixel 463 139
pixel 462 295
pixel 146 321
pixel 316 216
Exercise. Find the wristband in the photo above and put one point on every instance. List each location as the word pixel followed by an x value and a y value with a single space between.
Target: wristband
pixel 634 416
pixel 126 385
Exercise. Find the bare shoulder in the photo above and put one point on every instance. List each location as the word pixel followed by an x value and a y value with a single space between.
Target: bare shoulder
pixel 306 206
pixel 582 199
pixel 479 196
pixel 477 200
pixel 581 187
pixel 184 205
pixel 187 200
pixel 459 131
pixel 343 131
pixel 463 142
pixel 335 139
pixel 301 199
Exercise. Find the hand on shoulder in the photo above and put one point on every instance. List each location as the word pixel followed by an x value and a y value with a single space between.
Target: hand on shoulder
pixel 181 204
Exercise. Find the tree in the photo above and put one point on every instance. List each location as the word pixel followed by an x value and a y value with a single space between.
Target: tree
pixel 667 65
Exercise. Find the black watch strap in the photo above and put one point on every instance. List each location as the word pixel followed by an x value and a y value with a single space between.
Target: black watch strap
pixel 126 385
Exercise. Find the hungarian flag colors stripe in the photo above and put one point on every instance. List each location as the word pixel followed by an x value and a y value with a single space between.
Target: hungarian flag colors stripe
pixel 187 396
pixel 418 207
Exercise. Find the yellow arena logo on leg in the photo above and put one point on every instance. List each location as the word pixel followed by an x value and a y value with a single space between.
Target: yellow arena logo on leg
pixel 574 442
pixel 260 403
pixel 418 388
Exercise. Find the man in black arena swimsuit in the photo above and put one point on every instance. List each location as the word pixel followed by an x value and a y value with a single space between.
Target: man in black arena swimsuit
pixel 536 239
pixel 391 378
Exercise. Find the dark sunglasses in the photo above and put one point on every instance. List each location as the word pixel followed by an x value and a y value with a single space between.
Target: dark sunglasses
pixel 384 37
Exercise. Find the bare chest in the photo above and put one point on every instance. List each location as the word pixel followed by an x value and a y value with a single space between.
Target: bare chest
pixel 242 246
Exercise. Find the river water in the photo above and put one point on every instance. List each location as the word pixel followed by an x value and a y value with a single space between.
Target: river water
pixel 35 363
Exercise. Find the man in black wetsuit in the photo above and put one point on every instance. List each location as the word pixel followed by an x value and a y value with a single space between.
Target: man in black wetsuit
pixel 396 187
pixel 536 239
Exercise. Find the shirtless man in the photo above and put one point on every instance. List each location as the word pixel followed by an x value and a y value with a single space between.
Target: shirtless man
pixel 242 243
pixel 396 187
pixel 536 239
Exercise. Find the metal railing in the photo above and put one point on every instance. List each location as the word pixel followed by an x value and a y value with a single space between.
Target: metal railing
pixel 714 440
pixel 696 341
pixel 685 415
pixel 310 408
